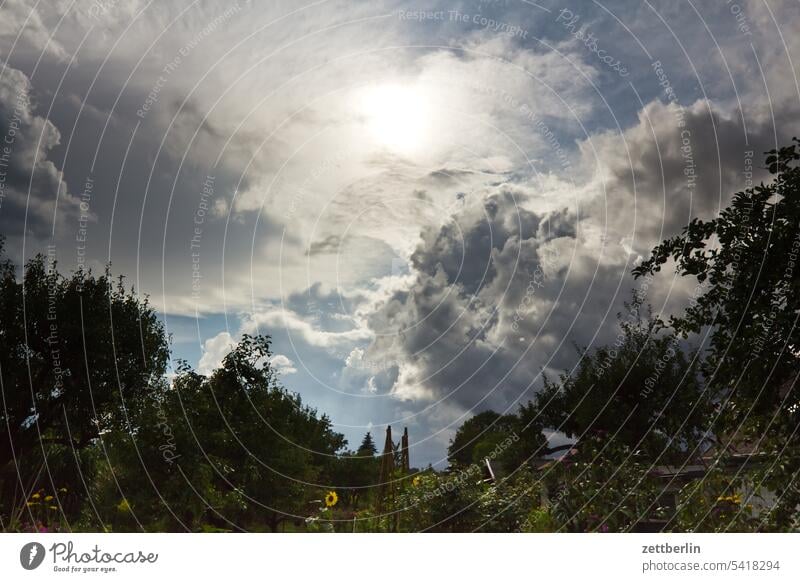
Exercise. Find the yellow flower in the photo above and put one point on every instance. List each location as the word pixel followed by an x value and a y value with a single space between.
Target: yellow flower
pixel 35 496
pixel 48 498
pixel 124 505
pixel 331 499
pixel 53 507
pixel 31 503
pixel 416 481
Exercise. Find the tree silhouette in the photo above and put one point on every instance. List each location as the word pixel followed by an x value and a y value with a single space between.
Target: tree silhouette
pixel 746 266
pixel 367 447
pixel 76 355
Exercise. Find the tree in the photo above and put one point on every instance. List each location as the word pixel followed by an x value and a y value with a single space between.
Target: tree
pixel 245 453
pixel 357 473
pixel 483 427
pixel 745 263
pixel 529 442
pixel 643 391
pixel 76 355
pixel 510 440
pixel 367 448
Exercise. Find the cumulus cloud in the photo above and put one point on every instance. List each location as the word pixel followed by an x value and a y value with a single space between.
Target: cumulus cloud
pixel 448 328
pixel 214 351
pixel 283 365
pixel 676 163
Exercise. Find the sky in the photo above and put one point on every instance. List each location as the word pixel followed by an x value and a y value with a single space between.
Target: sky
pixel 426 205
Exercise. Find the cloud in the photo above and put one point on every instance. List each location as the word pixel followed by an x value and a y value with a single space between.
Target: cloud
pixel 23 28
pixel 34 198
pixel 676 163
pixel 501 292
pixel 283 365
pixel 329 245
pixel 446 328
pixel 214 351
pixel 285 320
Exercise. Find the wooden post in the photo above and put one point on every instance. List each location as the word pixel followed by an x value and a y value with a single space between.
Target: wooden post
pixel 385 501
pixel 404 459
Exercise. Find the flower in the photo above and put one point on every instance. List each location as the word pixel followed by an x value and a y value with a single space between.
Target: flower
pixel 53 507
pixel 48 498
pixel 62 490
pixel 331 498
pixel 124 506
pixel 35 496
pixel 416 481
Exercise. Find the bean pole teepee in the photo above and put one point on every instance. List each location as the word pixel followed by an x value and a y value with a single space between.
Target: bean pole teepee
pixel 388 475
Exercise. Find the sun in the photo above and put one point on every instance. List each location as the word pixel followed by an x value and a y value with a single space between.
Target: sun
pixel 397 116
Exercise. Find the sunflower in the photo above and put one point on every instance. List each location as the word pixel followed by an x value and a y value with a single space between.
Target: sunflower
pixel 331 499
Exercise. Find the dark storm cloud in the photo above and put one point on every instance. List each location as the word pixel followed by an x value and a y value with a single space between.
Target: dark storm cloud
pixel 31 186
pixel 684 162
pixel 450 323
pixel 463 249
pixel 479 338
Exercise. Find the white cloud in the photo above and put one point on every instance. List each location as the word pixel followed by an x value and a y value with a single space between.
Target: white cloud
pixel 355 358
pixel 283 365
pixel 292 323
pixel 214 350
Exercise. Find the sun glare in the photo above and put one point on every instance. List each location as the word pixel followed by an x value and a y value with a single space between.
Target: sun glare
pixel 397 116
